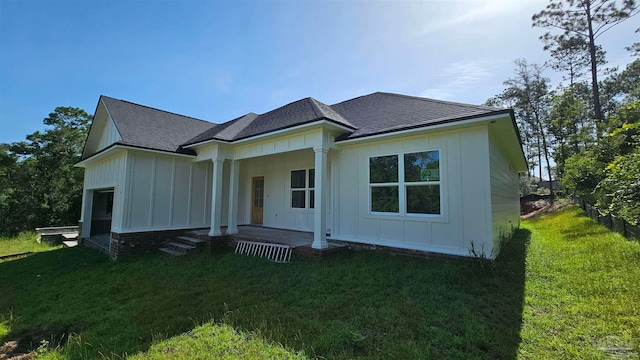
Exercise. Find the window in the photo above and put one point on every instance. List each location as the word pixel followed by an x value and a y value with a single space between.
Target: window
pixel 422 182
pixel 302 188
pixel 413 188
pixel 383 179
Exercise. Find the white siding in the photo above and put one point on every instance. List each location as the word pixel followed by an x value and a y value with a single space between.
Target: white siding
pixel 465 214
pixel 109 135
pixel 103 132
pixel 276 170
pixel 505 198
pixel 108 173
pixel 167 192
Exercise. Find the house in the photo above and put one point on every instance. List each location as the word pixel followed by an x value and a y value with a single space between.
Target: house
pixel 381 170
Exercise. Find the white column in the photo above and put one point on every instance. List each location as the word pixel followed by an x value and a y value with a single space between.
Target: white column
pixel 234 178
pixel 320 211
pixel 86 214
pixel 216 198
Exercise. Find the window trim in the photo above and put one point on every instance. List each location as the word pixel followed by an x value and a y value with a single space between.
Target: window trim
pixel 307 190
pixel 402 186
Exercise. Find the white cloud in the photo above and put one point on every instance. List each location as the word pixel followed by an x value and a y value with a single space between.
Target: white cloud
pixel 457 77
pixel 462 13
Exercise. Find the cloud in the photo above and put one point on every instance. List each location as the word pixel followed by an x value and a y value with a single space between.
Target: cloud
pixel 462 13
pixel 457 77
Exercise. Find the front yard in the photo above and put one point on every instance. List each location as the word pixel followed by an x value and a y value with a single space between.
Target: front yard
pixel 564 287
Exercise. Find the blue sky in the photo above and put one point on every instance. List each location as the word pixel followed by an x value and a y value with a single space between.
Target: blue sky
pixel 219 60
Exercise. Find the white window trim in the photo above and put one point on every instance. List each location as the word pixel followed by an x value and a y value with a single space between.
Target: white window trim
pixel 402 186
pixel 307 190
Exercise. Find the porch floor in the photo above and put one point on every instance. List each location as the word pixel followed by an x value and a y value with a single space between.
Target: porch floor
pixel 293 238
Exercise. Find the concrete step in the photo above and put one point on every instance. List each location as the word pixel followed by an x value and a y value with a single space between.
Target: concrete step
pixel 172 252
pixel 178 246
pixel 196 233
pixel 190 241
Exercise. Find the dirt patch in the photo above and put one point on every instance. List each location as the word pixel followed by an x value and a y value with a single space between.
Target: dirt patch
pixel 532 206
pixel 26 343
pixel 9 351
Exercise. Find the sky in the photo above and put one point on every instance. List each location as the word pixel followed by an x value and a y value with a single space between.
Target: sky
pixel 219 60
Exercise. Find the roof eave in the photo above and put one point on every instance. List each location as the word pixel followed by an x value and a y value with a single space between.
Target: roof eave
pixel 437 125
pixel 113 148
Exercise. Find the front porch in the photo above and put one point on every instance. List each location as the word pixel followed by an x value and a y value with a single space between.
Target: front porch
pixel 300 241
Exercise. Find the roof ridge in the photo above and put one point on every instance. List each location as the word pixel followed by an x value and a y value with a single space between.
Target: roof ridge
pixel 164 111
pixel 357 97
pixel 436 100
pixel 314 106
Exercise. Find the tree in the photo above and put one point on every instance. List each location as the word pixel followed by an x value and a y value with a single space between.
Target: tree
pixel 44 188
pixel 586 19
pixel 529 93
pixel 570 54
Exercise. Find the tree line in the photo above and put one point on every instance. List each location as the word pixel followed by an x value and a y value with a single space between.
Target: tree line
pixel 585 131
pixel 39 185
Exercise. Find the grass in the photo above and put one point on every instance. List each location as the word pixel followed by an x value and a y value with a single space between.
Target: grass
pixel 582 295
pixel 25 242
pixel 563 287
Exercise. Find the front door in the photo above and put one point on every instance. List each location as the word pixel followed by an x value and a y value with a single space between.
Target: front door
pixel 257 200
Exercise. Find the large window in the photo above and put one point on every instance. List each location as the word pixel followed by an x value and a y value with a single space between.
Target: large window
pixel 302 188
pixel 413 188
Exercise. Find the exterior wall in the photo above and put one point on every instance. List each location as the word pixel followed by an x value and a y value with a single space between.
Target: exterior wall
pixel 109 134
pixel 103 132
pixel 505 197
pixel 108 173
pixel 166 192
pixel 465 199
pixel 276 170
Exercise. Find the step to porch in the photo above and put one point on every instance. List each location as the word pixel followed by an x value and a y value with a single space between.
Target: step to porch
pixel 183 245
pixel 191 241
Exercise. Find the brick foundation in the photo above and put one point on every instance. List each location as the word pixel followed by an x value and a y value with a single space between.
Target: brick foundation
pixel 126 244
pixel 309 252
pixel 405 252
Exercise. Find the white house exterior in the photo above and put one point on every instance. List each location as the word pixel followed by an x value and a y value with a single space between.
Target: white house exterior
pixel 382 169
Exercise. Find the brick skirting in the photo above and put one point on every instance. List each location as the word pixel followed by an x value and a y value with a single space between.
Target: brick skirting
pixel 400 251
pixel 126 244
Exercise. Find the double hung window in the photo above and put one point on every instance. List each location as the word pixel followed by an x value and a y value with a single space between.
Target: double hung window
pixel 302 189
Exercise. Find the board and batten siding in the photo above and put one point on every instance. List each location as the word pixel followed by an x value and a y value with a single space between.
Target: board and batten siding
pixel 505 197
pixel 276 170
pixel 167 192
pixel 109 135
pixel 465 200
pixel 106 174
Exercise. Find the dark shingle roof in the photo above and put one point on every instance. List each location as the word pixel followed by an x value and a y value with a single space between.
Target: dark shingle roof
pixel 296 113
pixel 367 115
pixel 146 127
pixel 385 112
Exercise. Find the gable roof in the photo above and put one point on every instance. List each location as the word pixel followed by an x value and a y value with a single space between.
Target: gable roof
pixel 299 112
pixel 146 127
pixel 373 114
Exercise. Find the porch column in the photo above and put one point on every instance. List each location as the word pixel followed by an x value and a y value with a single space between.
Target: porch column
pixel 216 198
pixel 320 211
pixel 86 214
pixel 234 178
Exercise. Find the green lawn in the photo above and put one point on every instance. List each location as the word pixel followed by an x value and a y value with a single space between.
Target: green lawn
pixel 25 242
pixel 564 287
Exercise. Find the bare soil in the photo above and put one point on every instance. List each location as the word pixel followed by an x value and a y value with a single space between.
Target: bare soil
pixel 534 205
